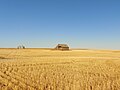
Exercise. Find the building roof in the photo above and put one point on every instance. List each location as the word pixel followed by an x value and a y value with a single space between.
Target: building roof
pixel 63 45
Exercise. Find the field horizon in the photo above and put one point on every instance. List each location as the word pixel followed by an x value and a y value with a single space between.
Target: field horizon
pixel 45 48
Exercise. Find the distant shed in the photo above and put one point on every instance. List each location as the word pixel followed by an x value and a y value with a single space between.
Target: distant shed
pixel 21 47
pixel 62 47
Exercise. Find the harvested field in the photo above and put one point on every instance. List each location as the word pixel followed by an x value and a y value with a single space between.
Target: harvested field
pixel 44 69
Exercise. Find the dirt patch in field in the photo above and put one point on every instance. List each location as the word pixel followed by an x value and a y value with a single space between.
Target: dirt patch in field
pixel 3 58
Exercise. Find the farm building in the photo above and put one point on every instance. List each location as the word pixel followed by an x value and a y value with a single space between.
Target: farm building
pixel 62 47
pixel 21 47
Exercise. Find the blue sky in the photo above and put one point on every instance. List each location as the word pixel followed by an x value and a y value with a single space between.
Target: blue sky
pixel 45 23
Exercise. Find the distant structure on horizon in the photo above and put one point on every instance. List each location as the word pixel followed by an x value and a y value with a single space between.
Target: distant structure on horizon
pixel 62 47
pixel 21 47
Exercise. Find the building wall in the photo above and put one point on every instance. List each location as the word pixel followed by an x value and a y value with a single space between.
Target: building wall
pixel 63 48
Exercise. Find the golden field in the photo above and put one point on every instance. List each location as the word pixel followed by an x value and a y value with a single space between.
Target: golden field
pixel 44 69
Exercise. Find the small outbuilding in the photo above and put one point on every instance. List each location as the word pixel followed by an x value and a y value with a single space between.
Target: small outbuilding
pixel 62 47
pixel 21 47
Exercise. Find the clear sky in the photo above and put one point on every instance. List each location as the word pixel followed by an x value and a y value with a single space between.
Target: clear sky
pixel 45 23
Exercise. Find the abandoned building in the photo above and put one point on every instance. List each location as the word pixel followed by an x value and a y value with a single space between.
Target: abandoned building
pixel 62 47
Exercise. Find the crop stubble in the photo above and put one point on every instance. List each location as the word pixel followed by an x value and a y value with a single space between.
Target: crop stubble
pixel 36 69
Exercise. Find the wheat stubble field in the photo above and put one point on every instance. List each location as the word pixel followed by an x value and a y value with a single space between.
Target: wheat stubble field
pixel 39 69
